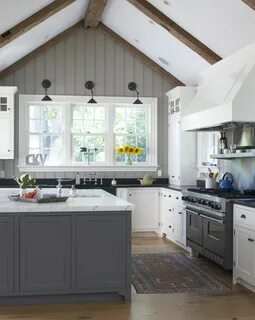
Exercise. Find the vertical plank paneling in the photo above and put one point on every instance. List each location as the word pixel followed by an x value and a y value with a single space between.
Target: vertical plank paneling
pixel 138 75
pixel 60 68
pixel 39 73
pixel 30 77
pixel 70 47
pixel 99 64
pixel 119 71
pixel 50 65
pixel 80 56
pixel 90 55
pixel 129 72
pixel 109 67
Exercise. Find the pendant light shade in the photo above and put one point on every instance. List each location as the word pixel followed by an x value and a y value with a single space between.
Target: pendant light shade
pixel 90 86
pixel 132 86
pixel 46 85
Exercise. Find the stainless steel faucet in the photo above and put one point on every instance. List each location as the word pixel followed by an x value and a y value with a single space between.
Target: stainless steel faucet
pixel 59 185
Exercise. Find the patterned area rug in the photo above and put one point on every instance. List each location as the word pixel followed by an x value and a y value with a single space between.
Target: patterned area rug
pixel 172 273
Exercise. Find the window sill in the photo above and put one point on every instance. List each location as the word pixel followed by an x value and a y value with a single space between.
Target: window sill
pixel 79 168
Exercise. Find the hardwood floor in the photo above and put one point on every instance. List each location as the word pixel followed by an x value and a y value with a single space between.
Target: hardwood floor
pixel 238 305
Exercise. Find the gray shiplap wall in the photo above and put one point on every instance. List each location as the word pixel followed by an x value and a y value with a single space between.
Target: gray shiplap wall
pixel 90 55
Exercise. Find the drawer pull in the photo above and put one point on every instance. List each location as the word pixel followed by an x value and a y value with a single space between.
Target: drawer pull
pixel 172 176
pixel 180 212
pixel 243 216
pixel 169 196
pixel 251 240
pixel 164 195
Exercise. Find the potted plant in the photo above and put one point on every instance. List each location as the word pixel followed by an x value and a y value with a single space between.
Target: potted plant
pixel 24 182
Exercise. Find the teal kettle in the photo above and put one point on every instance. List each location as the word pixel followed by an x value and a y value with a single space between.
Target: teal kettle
pixel 226 182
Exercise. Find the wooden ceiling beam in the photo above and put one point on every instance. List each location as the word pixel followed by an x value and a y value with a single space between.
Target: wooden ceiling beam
pixel 250 3
pixel 33 21
pixel 182 35
pixel 94 13
pixel 145 59
pixel 20 63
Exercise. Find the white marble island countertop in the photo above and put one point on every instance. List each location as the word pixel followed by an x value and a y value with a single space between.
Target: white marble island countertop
pixel 86 201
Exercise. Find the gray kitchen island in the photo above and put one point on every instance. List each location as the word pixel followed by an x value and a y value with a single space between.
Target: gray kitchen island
pixel 74 251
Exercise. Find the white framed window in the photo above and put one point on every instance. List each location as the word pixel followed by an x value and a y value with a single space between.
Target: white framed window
pixel 70 134
pixel 207 145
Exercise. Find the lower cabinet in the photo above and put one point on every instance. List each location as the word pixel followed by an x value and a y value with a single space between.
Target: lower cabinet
pixel 102 263
pixel 244 246
pixel 172 216
pixel 7 255
pixel 45 251
pixel 56 254
pixel 145 216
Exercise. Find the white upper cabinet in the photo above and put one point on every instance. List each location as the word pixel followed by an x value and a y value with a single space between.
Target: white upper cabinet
pixel 181 145
pixel 7 122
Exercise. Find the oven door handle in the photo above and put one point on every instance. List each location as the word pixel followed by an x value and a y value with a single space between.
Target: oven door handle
pixel 209 218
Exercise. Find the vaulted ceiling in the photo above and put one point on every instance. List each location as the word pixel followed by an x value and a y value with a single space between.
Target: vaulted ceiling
pixel 182 37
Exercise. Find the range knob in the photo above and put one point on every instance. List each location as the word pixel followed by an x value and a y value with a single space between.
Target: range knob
pixel 217 206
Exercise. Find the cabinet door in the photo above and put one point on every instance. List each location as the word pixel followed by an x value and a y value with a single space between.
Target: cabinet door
pixel 174 151
pixel 7 255
pixel 5 101
pixel 179 222
pixel 6 141
pixel 122 193
pixel 145 216
pixel 45 253
pixel 244 254
pixel 194 227
pixel 101 260
pixel 164 221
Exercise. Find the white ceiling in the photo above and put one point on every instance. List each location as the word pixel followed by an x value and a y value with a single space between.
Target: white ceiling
pixel 42 33
pixel 14 11
pixel 225 26
pixel 154 41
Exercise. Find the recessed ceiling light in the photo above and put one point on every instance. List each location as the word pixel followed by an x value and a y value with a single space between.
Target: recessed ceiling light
pixel 166 2
pixel 137 41
pixel 151 22
pixel 46 37
pixel 164 61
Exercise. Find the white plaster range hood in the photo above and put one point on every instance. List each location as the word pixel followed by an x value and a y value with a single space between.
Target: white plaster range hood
pixel 225 95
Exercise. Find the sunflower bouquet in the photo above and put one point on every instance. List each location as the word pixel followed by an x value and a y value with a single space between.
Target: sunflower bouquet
pixel 129 151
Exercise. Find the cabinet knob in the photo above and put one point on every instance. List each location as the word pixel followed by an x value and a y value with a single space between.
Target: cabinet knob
pixel 164 195
pixel 172 176
pixel 130 194
pixel 180 212
pixel 170 227
pixel 169 196
pixel 169 209
pixel 177 198
pixel 243 216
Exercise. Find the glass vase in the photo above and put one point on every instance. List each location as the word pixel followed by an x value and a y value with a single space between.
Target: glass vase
pixel 129 160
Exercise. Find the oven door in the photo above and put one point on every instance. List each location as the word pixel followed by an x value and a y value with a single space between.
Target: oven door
pixel 213 234
pixel 194 226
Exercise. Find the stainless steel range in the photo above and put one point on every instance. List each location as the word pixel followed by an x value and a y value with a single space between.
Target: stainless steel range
pixel 209 214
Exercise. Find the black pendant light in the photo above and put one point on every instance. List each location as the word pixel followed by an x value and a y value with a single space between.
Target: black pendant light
pixel 132 86
pixel 90 86
pixel 46 85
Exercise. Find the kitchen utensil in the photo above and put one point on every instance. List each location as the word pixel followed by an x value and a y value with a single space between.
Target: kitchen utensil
pixel 226 182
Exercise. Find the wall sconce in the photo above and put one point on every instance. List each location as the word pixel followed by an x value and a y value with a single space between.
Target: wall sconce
pixel 46 85
pixel 90 85
pixel 132 86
